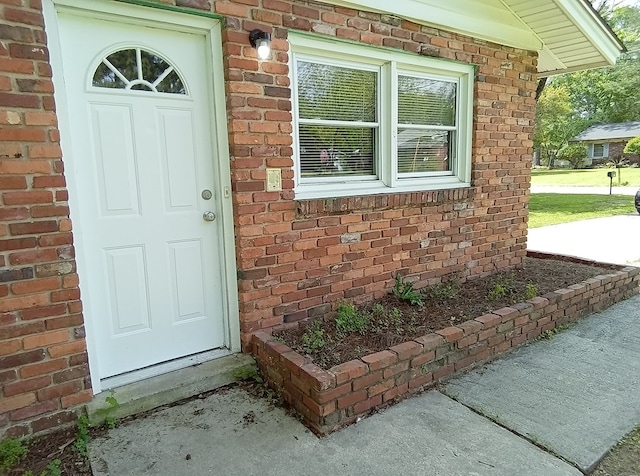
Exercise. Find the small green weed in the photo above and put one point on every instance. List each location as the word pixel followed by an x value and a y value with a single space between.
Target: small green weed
pixel 530 291
pixel 549 334
pixel 81 445
pixel 444 291
pixel 385 320
pixel 405 292
pixel 497 292
pixel 248 373
pixel 313 338
pixel 11 452
pixel 53 469
pixel 105 413
pixel 503 287
pixel 351 320
pixel 110 420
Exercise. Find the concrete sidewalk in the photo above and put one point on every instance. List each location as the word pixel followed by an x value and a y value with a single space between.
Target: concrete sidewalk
pixel 575 396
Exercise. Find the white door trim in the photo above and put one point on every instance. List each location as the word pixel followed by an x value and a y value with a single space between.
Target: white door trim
pixel 170 20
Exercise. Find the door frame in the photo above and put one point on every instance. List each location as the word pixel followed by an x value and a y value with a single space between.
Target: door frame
pixel 199 23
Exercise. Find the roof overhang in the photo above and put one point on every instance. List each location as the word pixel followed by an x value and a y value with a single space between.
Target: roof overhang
pixel 567 34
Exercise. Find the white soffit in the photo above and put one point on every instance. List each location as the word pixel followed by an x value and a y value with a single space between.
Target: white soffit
pixel 567 34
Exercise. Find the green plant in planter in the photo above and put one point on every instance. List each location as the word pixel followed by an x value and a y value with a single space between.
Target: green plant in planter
pixel 531 291
pixel 11 452
pixel 445 290
pixel 53 469
pixel 313 338
pixel 405 292
pixel 351 320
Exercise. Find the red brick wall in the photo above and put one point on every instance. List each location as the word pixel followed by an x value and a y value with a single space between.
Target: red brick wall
pixel 43 363
pixel 616 150
pixel 295 258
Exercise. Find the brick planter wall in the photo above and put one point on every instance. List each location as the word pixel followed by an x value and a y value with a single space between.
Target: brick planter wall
pixel 333 398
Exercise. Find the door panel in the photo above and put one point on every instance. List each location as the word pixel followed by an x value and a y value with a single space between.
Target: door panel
pixel 115 159
pixel 141 158
pixel 177 141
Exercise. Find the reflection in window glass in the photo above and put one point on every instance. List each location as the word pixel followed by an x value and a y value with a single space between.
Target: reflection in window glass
pixel 334 93
pixel 137 69
pixel 337 114
pixel 426 125
pixel 424 151
pixel 426 101
pixel 105 78
pixel 329 150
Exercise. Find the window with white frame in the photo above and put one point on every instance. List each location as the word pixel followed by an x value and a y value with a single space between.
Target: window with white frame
pixel 600 151
pixel 370 120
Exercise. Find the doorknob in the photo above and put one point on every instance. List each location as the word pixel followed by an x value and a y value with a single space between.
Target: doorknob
pixel 209 216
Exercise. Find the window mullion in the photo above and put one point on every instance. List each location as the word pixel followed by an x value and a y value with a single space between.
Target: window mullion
pixel 297 173
pixel 392 133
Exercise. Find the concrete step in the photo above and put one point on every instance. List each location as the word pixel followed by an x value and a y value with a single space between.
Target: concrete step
pixel 168 388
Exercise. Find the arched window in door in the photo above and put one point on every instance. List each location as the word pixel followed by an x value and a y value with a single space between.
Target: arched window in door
pixel 140 70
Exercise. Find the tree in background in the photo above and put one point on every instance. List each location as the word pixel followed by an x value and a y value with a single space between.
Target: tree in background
pixel 633 146
pixel 598 96
pixel 575 154
pixel 556 123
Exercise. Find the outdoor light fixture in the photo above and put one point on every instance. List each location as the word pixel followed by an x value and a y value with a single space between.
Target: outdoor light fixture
pixel 261 41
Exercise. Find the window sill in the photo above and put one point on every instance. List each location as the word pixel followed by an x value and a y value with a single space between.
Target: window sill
pixel 339 190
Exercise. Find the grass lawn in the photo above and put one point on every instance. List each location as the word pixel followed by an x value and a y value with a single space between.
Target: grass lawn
pixel 552 208
pixel 584 177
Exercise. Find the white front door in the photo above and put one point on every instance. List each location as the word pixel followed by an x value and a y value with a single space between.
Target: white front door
pixel 143 145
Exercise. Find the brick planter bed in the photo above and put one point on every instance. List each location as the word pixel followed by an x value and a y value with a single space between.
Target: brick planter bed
pixel 330 399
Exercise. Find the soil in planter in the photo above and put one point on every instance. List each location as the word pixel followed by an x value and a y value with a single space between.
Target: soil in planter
pixel 389 321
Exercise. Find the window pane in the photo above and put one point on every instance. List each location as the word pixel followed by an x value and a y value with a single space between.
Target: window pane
pixel 152 66
pixel 426 101
pixel 334 93
pixel 336 151
pixel 171 84
pixel 598 150
pixel 105 78
pixel 425 151
pixel 125 62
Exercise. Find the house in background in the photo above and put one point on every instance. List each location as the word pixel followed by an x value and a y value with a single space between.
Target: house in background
pixel 165 193
pixel 605 141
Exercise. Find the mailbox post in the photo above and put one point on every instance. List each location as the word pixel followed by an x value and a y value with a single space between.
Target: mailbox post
pixel 611 174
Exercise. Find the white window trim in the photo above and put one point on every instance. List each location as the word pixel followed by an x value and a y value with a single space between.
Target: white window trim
pixel 390 63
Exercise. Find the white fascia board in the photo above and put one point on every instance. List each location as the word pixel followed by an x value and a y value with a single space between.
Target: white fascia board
pixel 488 20
pixel 590 25
pixel 573 69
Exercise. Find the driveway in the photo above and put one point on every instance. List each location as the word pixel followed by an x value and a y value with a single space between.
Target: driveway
pixel 610 240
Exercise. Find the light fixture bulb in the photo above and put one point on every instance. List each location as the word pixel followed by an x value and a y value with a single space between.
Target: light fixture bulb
pixel 261 41
pixel 263 49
